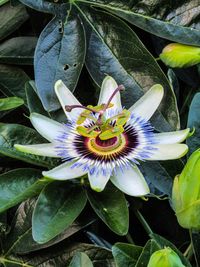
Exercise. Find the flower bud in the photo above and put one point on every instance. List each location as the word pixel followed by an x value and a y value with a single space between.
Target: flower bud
pixel 180 56
pixel 186 193
pixel 165 258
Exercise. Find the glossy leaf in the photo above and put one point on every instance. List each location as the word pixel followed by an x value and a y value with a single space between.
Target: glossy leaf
pixel 126 254
pixel 41 5
pixel 110 53
pixel 81 259
pixel 158 176
pixel 11 134
pixel 150 247
pixel 10 103
pixel 18 185
pixel 33 101
pixel 194 123
pixel 56 58
pixel 20 240
pixel 158 17
pixel 18 50
pixel 13 81
pixel 59 204
pixel 61 255
pixel 111 206
pixel 11 18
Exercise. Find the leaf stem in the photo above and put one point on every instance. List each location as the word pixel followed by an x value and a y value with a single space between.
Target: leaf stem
pixel 143 222
pixel 129 238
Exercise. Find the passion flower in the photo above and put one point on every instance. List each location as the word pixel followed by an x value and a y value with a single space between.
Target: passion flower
pixel 106 141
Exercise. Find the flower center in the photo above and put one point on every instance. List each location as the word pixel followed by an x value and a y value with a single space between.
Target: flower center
pixel 106 147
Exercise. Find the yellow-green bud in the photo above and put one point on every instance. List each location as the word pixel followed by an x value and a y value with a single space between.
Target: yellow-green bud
pixel 165 258
pixel 186 194
pixel 180 56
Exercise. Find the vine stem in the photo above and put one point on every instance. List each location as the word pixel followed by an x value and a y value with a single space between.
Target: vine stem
pixel 143 222
pixel 4 260
pixel 129 238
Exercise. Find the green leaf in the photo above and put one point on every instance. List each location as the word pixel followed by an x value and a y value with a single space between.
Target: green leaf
pixel 58 205
pixel 11 134
pixel 2 2
pixel 81 259
pixel 18 185
pixel 56 58
pixel 11 18
pixel 159 18
pixel 42 5
pixel 126 254
pixel 162 243
pixel 61 255
pixel 111 206
pixel 194 123
pixel 158 176
pixel 18 50
pixel 10 103
pixel 20 240
pixel 12 81
pixel 150 247
pixel 115 50
pixel 33 101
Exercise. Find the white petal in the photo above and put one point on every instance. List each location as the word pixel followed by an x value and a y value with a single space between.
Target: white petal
pixel 66 98
pixel 148 103
pixel 169 151
pixel 172 137
pixel 47 150
pixel 108 87
pixel 48 128
pixel 98 182
pixel 130 181
pixel 64 172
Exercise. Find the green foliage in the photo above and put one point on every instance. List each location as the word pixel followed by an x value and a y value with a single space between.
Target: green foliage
pixel 46 223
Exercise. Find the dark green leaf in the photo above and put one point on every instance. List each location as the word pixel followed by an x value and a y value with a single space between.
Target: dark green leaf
pixel 158 17
pixel 35 105
pixel 62 254
pixel 150 247
pixel 11 134
pixel 20 240
pixel 11 18
pixel 42 5
pixel 33 101
pixel 12 81
pixel 114 49
pixel 193 122
pixel 126 254
pixel 81 259
pixel 174 82
pixel 157 175
pixel 10 103
pixel 56 58
pixel 18 185
pixel 162 242
pixel 111 206
pixel 58 205
pixel 18 50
